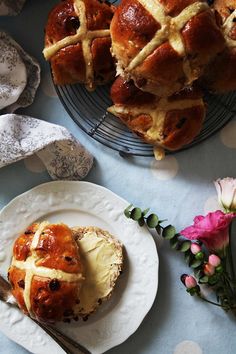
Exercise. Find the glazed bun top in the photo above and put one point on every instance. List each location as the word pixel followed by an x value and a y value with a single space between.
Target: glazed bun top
pixel 220 75
pixel 167 123
pixel 225 8
pixel 73 18
pixel 226 11
pixel 77 42
pixel 46 272
pixel 163 45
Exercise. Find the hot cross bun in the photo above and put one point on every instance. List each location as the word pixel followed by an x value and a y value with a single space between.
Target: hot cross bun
pixel 164 45
pixel 77 42
pixel 220 74
pixel 169 123
pixel 46 272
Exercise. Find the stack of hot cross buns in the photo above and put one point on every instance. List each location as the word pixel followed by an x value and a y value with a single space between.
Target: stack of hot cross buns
pixel 165 53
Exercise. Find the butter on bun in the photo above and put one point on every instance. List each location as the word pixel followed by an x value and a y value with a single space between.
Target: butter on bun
pixel 46 272
pixel 102 257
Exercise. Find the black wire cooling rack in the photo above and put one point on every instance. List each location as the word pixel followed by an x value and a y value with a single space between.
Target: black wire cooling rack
pixel 89 111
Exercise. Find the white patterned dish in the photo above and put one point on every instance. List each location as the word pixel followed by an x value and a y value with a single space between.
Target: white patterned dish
pixel 83 203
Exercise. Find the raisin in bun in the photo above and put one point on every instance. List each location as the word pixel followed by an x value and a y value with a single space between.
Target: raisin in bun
pixel 220 74
pixel 77 42
pixel 46 272
pixel 169 123
pixel 164 45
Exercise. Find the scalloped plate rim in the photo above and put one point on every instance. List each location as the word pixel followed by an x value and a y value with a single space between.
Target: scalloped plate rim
pixel 151 297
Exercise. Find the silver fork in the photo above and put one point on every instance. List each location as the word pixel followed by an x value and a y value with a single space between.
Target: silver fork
pixel 66 343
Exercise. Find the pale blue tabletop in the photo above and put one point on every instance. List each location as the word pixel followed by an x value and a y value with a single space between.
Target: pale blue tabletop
pixel 177 188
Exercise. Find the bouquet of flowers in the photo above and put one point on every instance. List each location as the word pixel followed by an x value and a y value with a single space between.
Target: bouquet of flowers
pixel 206 246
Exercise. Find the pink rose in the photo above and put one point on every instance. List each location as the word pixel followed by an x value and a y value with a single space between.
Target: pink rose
pixel 226 190
pixel 212 230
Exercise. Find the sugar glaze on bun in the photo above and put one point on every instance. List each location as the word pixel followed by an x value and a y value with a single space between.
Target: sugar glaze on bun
pixel 169 123
pixel 59 273
pixel 163 45
pixel 220 75
pixel 77 42
pixel 46 272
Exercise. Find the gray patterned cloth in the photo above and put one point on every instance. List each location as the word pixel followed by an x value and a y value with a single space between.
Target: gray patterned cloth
pixel 10 7
pixel 19 75
pixel 63 156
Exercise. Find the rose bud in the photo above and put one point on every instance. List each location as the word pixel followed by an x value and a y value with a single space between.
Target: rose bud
pixel 208 269
pixel 214 260
pixel 188 281
pixel 195 248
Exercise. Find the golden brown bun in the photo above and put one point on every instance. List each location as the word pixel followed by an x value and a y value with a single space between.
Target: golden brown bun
pixel 77 42
pixel 46 272
pixel 224 8
pixel 102 255
pixel 220 74
pixel 167 122
pixel 163 48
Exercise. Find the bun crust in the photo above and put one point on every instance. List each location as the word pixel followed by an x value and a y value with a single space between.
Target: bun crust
pixel 77 42
pixel 46 272
pixel 220 74
pixel 162 45
pixel 170 122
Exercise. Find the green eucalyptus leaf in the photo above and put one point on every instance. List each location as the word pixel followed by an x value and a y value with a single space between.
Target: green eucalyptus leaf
pixel 141 221
pixel 195 263
pixel 145 211
pixel 152 221
pixel 203 280
pixel 161 221
pixel 158 229
pixel 136 214
pixel 191 291
pixel 185 246
pixel 213 279
pixel 127 211
pixel 174 243
pixel 188 257
pixel 169 232
pixel 200 256
pixel 198 273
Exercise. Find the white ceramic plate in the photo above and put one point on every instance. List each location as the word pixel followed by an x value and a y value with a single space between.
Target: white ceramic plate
pixel 83 203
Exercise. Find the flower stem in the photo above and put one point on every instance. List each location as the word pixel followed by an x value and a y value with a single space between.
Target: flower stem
pixel 210 302
pixel 230 258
